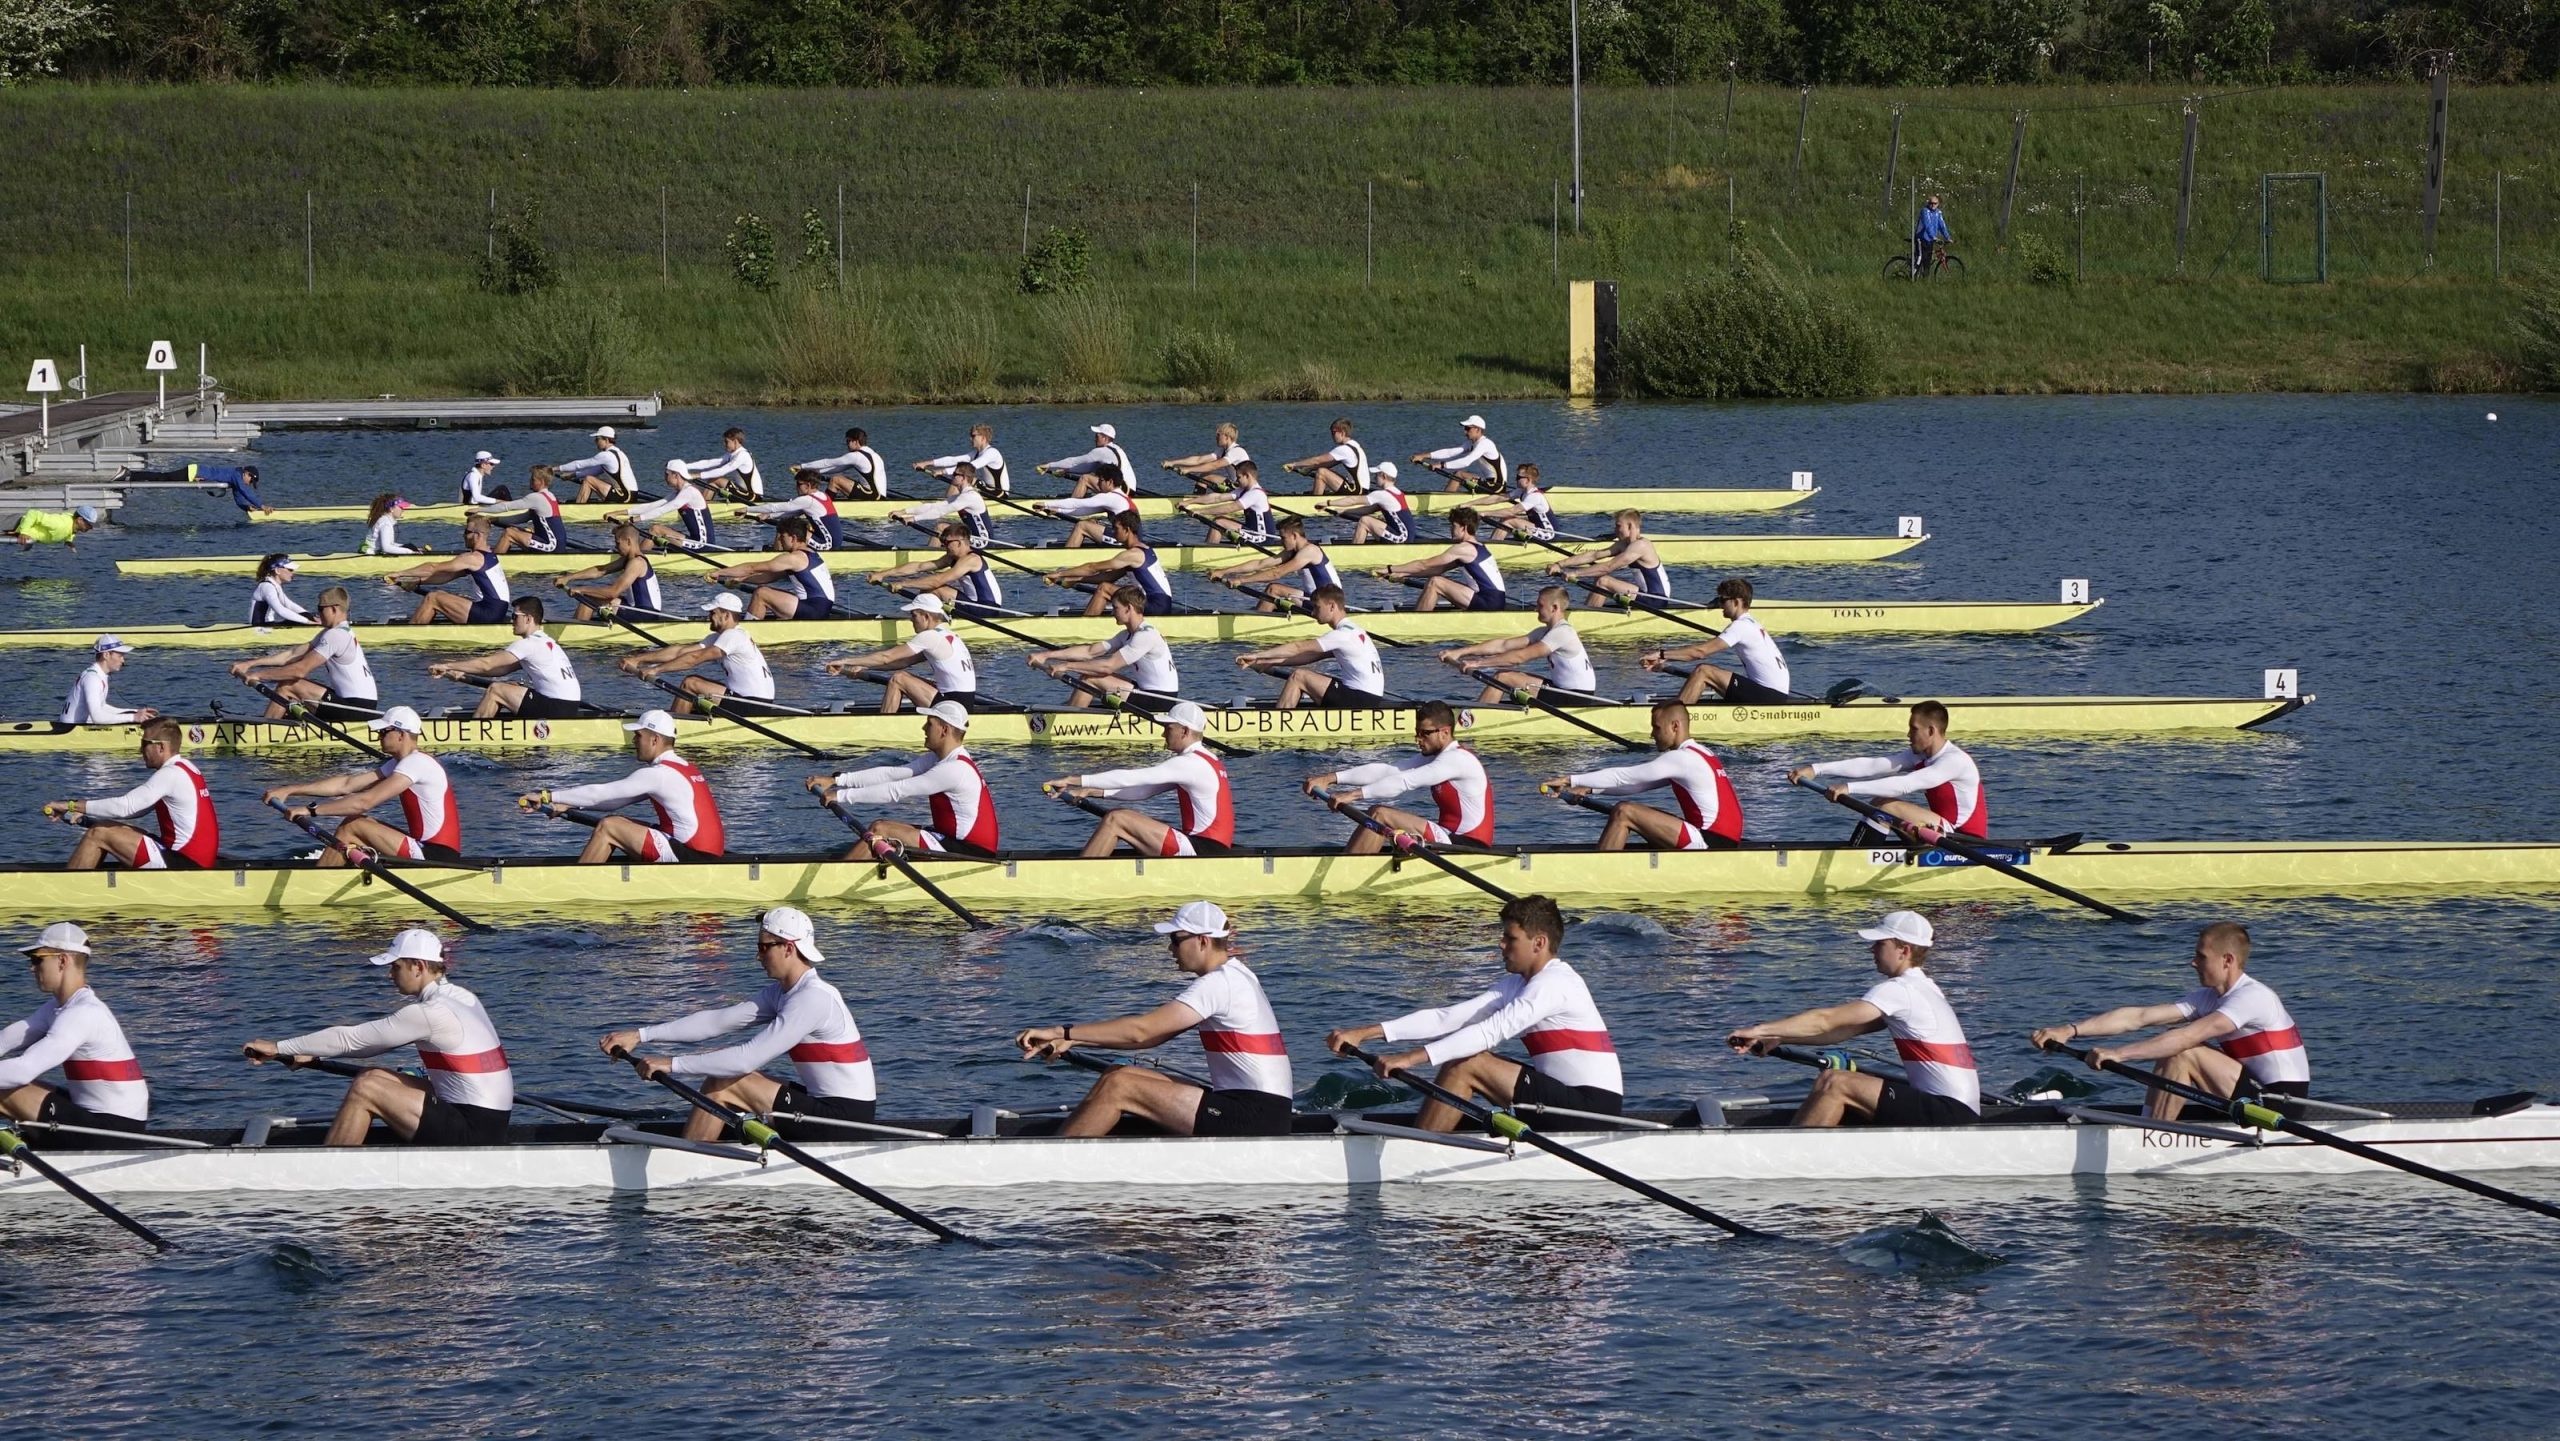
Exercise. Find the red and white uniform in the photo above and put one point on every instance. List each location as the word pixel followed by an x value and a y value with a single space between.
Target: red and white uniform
pixel 810 1023
pixel 81 1036
pixel 426 807
pixel 1238 1032
pixel 180 804
pixel 466 1066
pixel 687 815
pixel 1552 1013
pixel 1458 786
pixel 964 810
pixel 1698 784
pixel 1927 1036
pixel 1199 781
pixel 2266 1044
pixel 1948 783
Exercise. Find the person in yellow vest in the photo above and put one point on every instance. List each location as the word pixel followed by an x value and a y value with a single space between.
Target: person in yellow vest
pixel 55 527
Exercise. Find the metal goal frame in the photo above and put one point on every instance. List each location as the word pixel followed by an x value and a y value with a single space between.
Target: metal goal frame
pixel 2267 183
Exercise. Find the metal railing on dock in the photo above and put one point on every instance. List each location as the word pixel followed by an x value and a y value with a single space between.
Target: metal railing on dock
pixel 431 414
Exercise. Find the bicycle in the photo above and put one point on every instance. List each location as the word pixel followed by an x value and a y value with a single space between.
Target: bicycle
pixel 1947 264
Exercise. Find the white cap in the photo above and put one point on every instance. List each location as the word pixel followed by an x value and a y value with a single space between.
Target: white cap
pixel 90 513
pixel 60 936
pixel 1184 713
pixel 655 722
pixel 930 604
pixel 286 564
pixel 1386 468
pixel 1196 918
pixel 725 600
pixel 398 718
pixel 950 712
pixel 603 432
pixel 108 643
pixel 485 458
pixel 1909 927
pixel 414 944
pixel 1106 432
pixel 1476 421
pixel 793 924
pixel 680 470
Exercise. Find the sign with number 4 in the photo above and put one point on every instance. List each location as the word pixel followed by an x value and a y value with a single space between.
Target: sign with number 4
pixel 2283 685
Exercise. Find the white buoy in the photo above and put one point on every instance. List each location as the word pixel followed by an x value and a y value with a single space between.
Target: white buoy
pixel 2493 417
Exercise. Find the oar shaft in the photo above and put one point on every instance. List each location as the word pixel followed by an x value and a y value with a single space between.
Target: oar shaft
pixel 351 1070
pixel 310 716
pixel 1366 818
pixel 896 858
pixel 721 709
pixel 1533 698
pixel 1096 1064
pixel 15 1146
pixel 379 871
pixel 1950 841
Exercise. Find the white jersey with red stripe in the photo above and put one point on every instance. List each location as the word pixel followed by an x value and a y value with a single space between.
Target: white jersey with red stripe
pixel 2265 1041
pixel 672 786
pixel 81 1036
pixel 810 1023
pixel 1457 783
pixel 1238 1032
pixel 1948 783
pixel 465 1063
pixel 426 807
pixel 964 810
pixel 1199 782
pixel 179 803
pixel 1553 1014
pixel 1927 1036
pixel 1698 785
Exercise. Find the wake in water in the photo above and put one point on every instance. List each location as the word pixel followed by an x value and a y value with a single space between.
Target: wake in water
pixel 1926 1247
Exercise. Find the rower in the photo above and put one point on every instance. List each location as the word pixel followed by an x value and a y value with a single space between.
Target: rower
pixel 1935 768
pixel 735 466
pixel 1092 509
pixel 946 778
pixel 344 689
pixel 1206 824
pixel 855 473
pixel 798 1014
pixel 1250 1084
pixel 625 581
pixel 746 682
pixel 1213 469
pixel 1243 518
pixel 2231 1035
pixel 1342 469
pixel 961 503
pixel 176 798
pixel 606 475
pixel 270 605
pixel 55 527
pixel 415 778
pixel 1134 565
pixel 1540 998
pixel 89 705
pixel 475 481
pixel 962 579
pixel 541 529
pixel 685 501
pixel 1298 556
pixel 1939 1086
pixel 1466 575
pixel 1359 681
pixel 982 465
pixel 1760 676
pixel 1709 815
pixel 1526 515
pixel 1627 550
pixel 1385 512
pixel 382 527
pixel 688 827
pixel 1450 771
pixel 1106 459
pixel 811 505
pixel 1136 647
pixel 468 1093
pixel 935 646
pixel 1569 679
pixel 1475 464
pixel 102 1084
pixel 549 690
pixel 793 584
pixel 484 604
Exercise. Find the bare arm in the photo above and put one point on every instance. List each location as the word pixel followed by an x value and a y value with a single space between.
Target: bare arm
pixel 1121 1033
pixel 1817 1027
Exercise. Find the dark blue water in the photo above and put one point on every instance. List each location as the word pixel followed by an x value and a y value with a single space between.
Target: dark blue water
pixel 2397 551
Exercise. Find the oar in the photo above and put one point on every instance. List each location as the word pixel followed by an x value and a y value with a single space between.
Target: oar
pixel 2249 1113
pixel 1299 608
pixel 1634 603
pixel 296 710
pixel 614 613
pixel 364 860
pixel 895 855
pixel 1511 1127
pixel 1533 698
pixel 482 682
pixel 1841 692
pixel 1420 848
pixel 1949 840
pixel 14 1147
pixel 764 1137
pixel 720 710
pixel 351 1070
pixel 1097 1064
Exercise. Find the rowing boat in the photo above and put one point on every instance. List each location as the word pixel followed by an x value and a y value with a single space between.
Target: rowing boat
pixel 1779 617
pixel 1041 881
pixel 1563 499
pixel 1865 717
pixel 1522 560
pixel 1710 1143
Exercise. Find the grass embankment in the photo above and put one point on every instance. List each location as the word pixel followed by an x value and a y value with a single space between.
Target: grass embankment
pixel 1464 301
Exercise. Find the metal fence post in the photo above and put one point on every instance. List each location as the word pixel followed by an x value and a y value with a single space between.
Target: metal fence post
pixel 662 235
pixel 2080 217
pixel 490 226
pixel 1369 275
pixel 128 245
pixel 310 260
pixel 1804 119
pixel 2439 82
pixel 1728 107
pixel 1026 222
pixel 1892 157
pixel 2497 229
pixel 1555 229
pixel 2187 181
pixel 2009 188
pixel 1195 235
pixel 839 237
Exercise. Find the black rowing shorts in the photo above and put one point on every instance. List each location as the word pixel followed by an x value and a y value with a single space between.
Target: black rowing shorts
pixel 1242 1113
pixel 794 1097
pixel 538 706
pixel 445 1123
pixel 1533 1088
pixel 61 1110
pixel 1338 696
pixel 1743 690
pixel 1904 1104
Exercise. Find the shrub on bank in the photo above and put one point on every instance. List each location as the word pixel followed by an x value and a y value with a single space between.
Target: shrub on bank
pixel 1749 333
pixel 557 344
pixel 1096 340
pixel 821 343
pixel 2043 262
pixel 2537 328
pixel 1205 362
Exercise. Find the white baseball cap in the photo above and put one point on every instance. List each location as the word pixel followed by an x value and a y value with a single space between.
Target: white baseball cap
pixel 655 722
pixel 107 643
pixel 286 564
pixel 398 718
pixel 1106 432
pixel 60 936
pixel 680 470
pixel 1909 927
pixel 725 600
pixel 603 432
pixel 1386 468
pixel 1184 713
pixel 414 944
pixel 485 458
pixel 90 513
pixel 1196 918
pixel 950 712
pixel 792 924
pixel 1477 421
pixel 929 604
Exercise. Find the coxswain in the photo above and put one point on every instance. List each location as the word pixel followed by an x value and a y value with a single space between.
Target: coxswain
pixel 1759 675
pixel 1539 998
pixel 791 585
pixel 855 473
pixel 688 827
pixel 549 688
pixel 1359 678
pixel 962 579
pixel 798 1014
pixel 1263 578
pixel 1241 518
pixel 685 501
pixel 1934 768
pixel 1569 679
pixel 56 527
pixel 1134 567
pixel 327 672
pixel 1460 793
pixel 175 797
pixel 2230 1035
pixel 270 604
pixel 1526 514
pixel 732 474
pixel 962 504
pixel 1342 469
pixel 1386 513
pixel 1627 550
pixel 606 475
pixel 624 581
pixel 946 778
pixel 1939 1086
pixel 468 1093
pixel 1213 469
pixel 1106 458
pixel 102 1084
pixel 1476 464
pixel 1250 1084
pixel 982 465
pixel 746 682
pixel 416 779
pixel 1206 818
pixel 1465 576
pixel 811 504
pixel 1092 510
pixel 485 603
pixel 1709 814
pixel 89 704
pixel 951 672
pixel 382 527
pixel 475 481
pixel 1133 665
pixel 536 524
